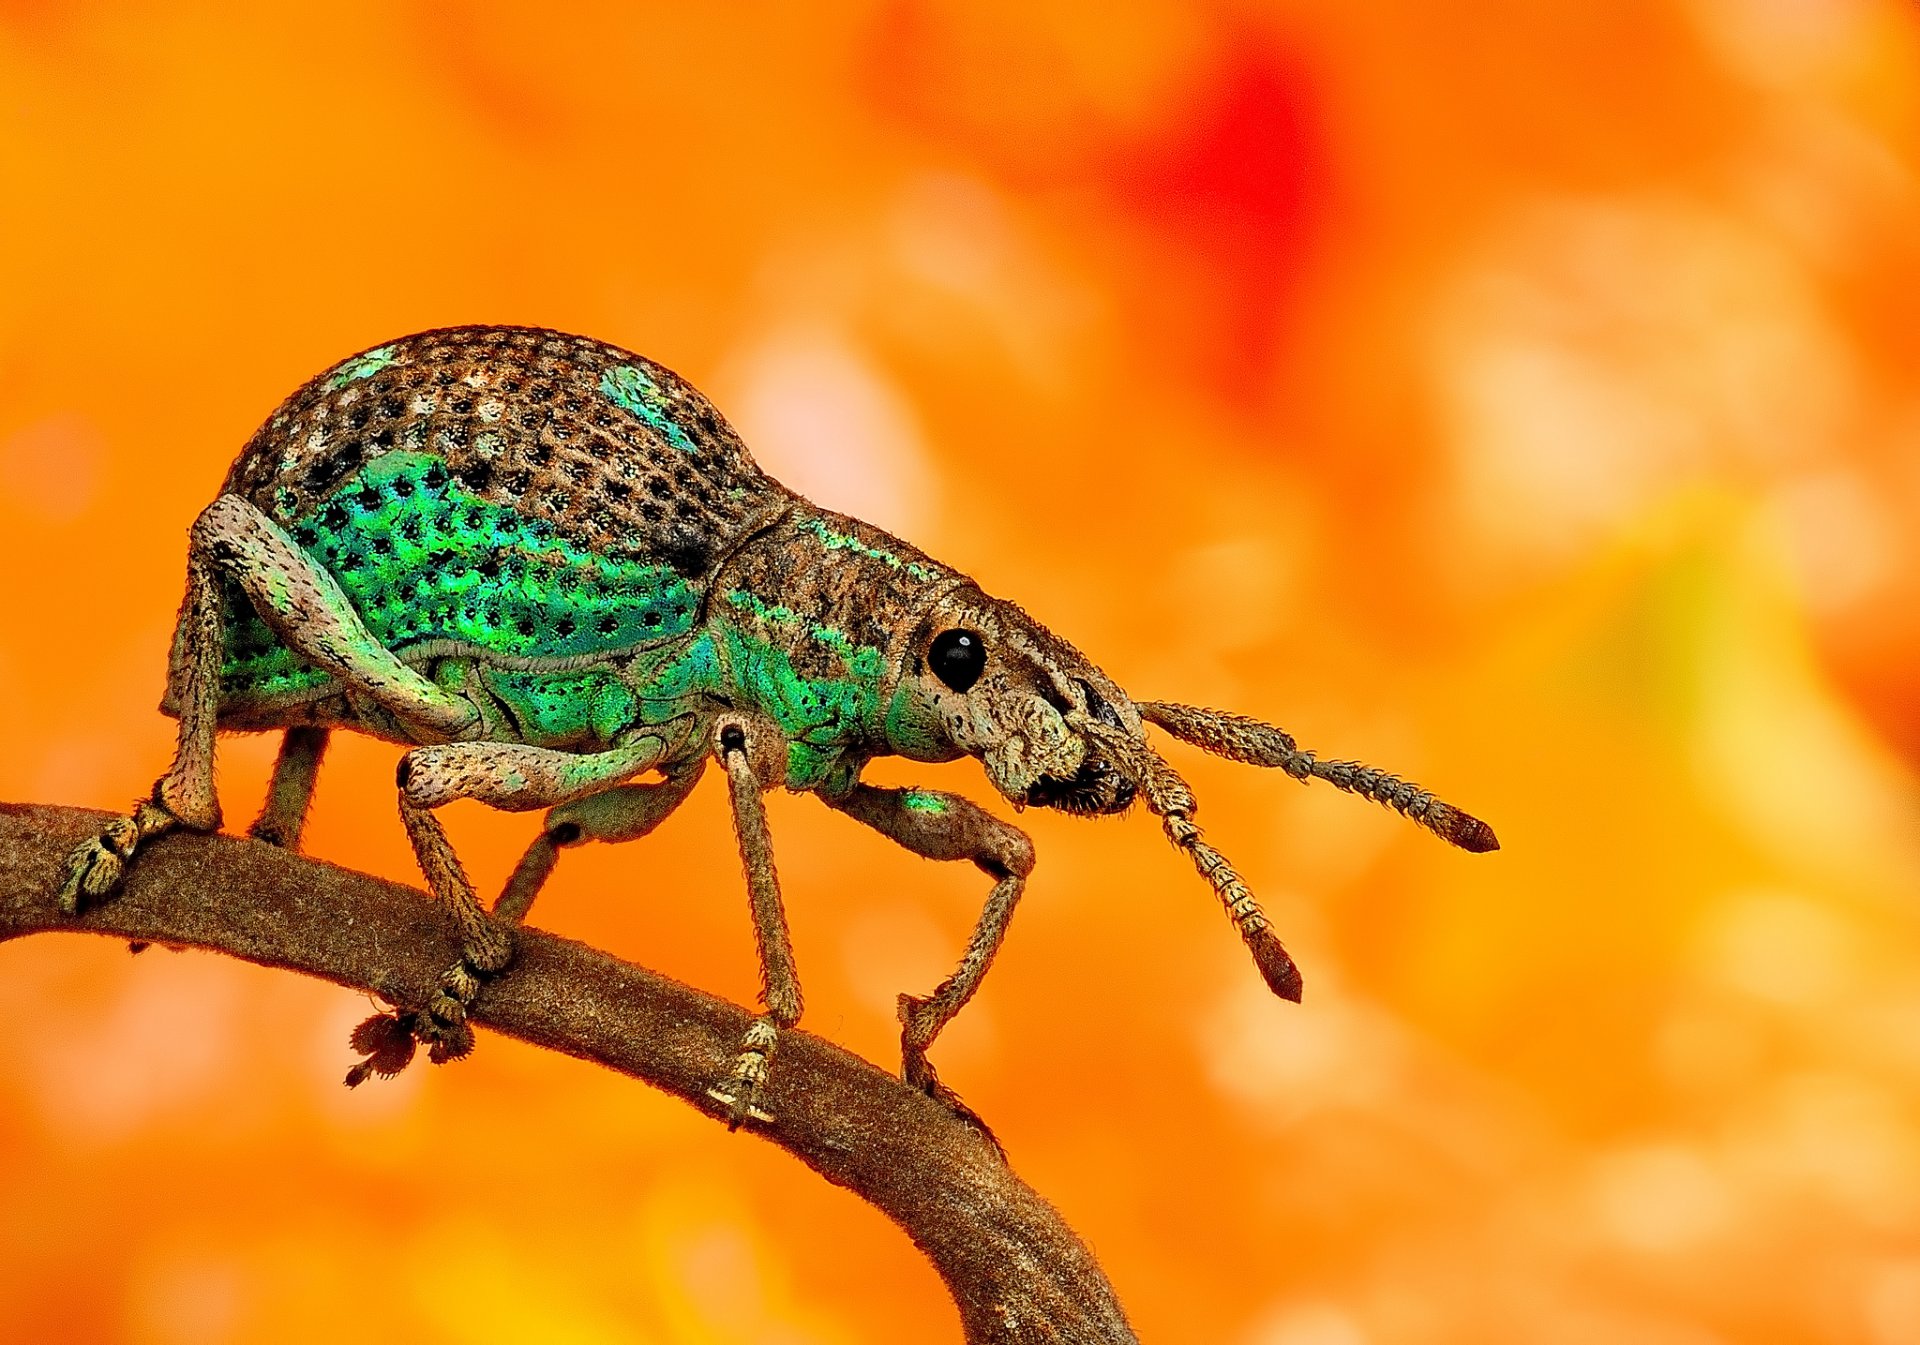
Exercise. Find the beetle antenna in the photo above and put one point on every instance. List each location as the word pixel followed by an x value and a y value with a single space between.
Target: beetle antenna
pixel 1171 800
pixel 1239 738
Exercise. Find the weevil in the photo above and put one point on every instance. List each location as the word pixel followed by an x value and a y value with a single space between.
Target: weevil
pixel 548 567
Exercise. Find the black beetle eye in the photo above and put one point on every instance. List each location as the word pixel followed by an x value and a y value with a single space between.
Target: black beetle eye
pixel 957 658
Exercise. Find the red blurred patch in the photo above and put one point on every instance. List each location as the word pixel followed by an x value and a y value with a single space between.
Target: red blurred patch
pixel 1242 179
pixel 1871 652
pixel 1236 176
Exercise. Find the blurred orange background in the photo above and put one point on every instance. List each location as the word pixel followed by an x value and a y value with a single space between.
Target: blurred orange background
pixel 1522 397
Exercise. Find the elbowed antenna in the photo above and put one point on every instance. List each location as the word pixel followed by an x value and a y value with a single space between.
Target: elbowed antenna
pixel 1239 738
pixel 1172 801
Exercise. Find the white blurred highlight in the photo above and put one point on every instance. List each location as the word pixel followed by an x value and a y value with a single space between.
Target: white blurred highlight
pixel 1780 947
pixel 163 1041
pixel 823 419
pixel 1784 44
pixel 1606 353
pixel 1841 538
pixel 980 275
pixel 1308 1324
pixel 1837 1139
pixel 1660 1198
pixel 1343 1054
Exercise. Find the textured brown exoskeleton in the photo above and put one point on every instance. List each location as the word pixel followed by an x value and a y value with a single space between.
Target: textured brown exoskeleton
pixel 547 566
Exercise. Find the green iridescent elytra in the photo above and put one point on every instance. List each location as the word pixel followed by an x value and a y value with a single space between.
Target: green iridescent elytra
pixel 574 536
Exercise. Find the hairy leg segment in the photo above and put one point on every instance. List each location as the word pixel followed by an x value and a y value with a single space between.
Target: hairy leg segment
pixel 939 825
pixel 290 794
pixel 509 776
pixel 753 763
pixel 622 813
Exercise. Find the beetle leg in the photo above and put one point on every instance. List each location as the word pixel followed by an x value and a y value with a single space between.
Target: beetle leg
pixel 291 793
pixel 749 772
pixel 306 609
pixel 622 813
pixel 512 776
pixel 184 796
pixel 939 825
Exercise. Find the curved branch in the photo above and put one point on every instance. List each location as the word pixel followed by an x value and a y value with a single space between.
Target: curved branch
pixel 1016 1271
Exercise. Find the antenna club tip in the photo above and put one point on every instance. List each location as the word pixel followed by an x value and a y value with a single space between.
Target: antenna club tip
pixel 1276 966
pixel 1471 834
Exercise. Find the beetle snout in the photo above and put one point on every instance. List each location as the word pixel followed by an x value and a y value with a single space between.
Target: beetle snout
pixel 1095 789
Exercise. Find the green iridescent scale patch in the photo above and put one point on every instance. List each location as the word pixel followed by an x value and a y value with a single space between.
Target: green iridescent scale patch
pixel 819 716
pixel 628 387
pixel 424 559
pixel 674 675
pixel 566 707
pixel 361 366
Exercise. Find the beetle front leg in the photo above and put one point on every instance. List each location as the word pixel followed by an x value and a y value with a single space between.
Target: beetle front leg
pixel 511 776
pixel 752 765
pixel 939 825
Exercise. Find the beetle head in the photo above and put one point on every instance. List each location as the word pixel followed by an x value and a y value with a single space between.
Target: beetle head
pixel 983 678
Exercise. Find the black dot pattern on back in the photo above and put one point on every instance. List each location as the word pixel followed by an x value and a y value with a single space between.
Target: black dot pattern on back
pixel 562 429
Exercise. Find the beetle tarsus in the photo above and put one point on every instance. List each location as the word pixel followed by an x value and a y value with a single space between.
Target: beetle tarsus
pixel 387 1041
pixel 740 1091
pixel 920 1075
pixel 96 865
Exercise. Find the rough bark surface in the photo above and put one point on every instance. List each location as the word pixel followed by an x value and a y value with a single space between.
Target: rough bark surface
pixel 1015 1270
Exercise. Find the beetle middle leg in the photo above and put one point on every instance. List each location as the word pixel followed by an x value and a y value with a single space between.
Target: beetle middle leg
pixel 752 764
pixel 511 776
pixel 622 813
pixel 939 825
pixel 284 815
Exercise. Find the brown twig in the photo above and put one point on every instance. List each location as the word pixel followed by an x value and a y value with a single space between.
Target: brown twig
pixel 1016 1271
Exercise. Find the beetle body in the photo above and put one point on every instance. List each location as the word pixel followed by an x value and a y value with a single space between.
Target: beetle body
pixel 575 537
pixel 547 566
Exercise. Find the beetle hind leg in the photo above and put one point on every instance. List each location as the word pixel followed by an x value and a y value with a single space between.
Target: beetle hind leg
pixel 308 611
pixel 184 796
pixel 284 816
